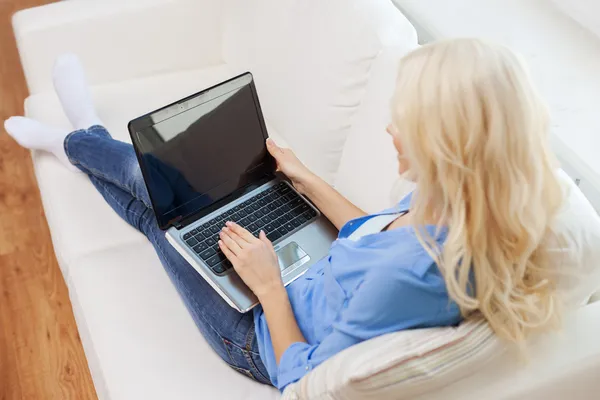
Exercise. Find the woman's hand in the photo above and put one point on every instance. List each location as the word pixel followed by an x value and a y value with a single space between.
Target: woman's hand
pixel 254 259
pixel 288 163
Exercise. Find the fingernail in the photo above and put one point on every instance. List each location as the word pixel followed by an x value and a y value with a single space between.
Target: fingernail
pixel 270 141
pixel 228 223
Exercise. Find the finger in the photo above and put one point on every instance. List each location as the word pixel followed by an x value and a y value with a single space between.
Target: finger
pixel 241 232
pixel 273 148
pixel 228 253
pixel 230 242
pixel 263 238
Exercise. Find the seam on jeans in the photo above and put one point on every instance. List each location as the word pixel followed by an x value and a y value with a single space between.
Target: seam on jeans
pixel 232 363
pixel 249 337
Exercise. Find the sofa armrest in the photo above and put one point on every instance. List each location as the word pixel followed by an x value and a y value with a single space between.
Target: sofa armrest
pixel 118 40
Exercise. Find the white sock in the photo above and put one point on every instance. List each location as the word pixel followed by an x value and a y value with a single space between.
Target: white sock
pixel 72 89
pixel 34 135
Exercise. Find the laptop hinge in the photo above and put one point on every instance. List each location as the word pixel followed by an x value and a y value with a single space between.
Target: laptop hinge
pixel 176 222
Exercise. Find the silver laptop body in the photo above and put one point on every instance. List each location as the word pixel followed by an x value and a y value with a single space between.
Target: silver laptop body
pixel 204 162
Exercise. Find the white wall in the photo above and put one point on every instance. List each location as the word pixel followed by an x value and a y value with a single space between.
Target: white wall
pixel 563 56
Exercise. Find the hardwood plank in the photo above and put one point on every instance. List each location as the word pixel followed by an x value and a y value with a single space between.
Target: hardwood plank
pixel 41 356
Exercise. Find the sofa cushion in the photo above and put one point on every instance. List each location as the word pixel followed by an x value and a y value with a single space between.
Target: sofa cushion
pixel 139 339
pixel 81 222
pixel 312 69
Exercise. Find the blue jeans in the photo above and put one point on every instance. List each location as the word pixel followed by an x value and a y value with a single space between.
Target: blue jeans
pixel 114 170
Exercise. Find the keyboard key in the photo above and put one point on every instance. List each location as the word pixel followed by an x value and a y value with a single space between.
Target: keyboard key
pixel 278 203
pixel 187 236
pixel 207 225
pixel 312 213
pixel 285 188
pixel 295 202
pixel 200 248
pixel 273 236
pixel 272 207
pixel 214 229
pixel 242 213
pixel 218 268
pixel 268 228
pixel 289 226
pixel 302 219
pixel 252 218
pixel 244 223
pixel 265 210
pixel 285 208
pixel 282 230
pixel 210 242
pixel 252 227
pixel 206 254
pixel 295 222
pixel 219 219
pixel 206 234
pixel 278 213
pixel 266 219
pixel 194 231
pixel 258 214
pixel 286 217
pixel 237 208
pixel 235 217
pixel 288 197
pixel 254 206
pixel 191 242
pixel 260 195
pixel 278 222
pixel 216 259
pixel 295 212
pixel 307 215
pixel 262 202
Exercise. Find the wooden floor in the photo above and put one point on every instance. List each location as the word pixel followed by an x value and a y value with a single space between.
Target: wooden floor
pixel 40 351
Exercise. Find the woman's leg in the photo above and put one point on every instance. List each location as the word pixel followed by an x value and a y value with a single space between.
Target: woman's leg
pixel 114 170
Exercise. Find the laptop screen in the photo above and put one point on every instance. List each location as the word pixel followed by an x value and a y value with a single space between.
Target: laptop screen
pixel 203 149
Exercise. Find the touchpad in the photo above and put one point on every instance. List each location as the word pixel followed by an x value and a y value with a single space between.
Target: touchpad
pixel 291 256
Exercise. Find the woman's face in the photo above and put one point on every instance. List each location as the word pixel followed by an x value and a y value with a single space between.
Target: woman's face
pixel 402 161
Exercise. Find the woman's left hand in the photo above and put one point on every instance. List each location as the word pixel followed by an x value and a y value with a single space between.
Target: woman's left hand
pixel 254 259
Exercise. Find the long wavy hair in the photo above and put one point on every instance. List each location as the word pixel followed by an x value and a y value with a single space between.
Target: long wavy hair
pixel 474 136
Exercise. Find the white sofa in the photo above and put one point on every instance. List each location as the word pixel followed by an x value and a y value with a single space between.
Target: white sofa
pixel 324 72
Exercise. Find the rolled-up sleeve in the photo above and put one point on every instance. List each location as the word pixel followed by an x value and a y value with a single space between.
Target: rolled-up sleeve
pixel 381 305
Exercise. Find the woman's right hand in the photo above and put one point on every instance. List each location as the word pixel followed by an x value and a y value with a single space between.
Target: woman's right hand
pixel 288 163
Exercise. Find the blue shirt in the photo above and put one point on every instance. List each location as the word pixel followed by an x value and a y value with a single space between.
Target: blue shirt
pixel 382 283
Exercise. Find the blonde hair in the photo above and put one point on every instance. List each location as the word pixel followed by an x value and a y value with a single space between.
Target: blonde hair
pixel 474 133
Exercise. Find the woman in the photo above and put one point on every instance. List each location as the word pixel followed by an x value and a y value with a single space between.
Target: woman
pixel 469 130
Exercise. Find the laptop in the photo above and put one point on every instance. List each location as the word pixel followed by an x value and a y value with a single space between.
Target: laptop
pixel 204 161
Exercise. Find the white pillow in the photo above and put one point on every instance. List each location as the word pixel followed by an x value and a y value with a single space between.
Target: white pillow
pixel 579 224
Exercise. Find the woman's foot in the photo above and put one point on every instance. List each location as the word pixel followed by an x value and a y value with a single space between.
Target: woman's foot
pixel 72 89
pixel 34 135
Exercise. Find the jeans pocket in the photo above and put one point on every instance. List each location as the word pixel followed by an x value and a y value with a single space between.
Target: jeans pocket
pixel 238 360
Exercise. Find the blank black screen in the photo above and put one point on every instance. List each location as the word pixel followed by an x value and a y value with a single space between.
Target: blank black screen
pixel 200 156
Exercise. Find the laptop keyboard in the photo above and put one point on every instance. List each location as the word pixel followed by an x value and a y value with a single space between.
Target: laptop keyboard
pixel 278 211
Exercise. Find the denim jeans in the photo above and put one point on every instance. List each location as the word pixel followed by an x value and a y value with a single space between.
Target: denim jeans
pixel 113 168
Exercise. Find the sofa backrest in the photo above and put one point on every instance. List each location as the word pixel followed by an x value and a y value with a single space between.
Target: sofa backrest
pixel 313 62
